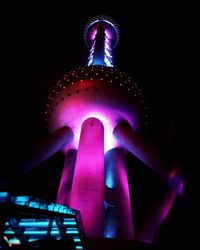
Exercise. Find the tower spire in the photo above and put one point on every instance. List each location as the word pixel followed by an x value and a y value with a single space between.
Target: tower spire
pixel 101 36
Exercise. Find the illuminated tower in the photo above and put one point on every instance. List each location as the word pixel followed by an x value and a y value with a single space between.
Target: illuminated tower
pixel 91 101
pixel 95 114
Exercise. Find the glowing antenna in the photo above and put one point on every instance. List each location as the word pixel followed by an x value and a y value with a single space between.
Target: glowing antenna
pixel 101 36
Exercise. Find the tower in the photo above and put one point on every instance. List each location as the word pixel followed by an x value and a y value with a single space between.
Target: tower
pixel 91 101
pixel 94 115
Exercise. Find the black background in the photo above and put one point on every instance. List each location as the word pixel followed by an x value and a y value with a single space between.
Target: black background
pixel 157 47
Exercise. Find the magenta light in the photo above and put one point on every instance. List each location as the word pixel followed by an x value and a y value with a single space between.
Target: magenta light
pixel 101 34
pixel 87 193
pixel 111 28
pixel 64 190
pixel 156 215
pixel 93 101
pixel 108 107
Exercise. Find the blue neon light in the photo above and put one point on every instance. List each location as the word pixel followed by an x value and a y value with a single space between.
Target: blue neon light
pixel 9 231
pixel 96 58
pixel 108 52
pixel 37 228
pixel 35 232
pixel 36 203
pixel 36 224
pixel 74 231
pixel 3 195
pixel 77 240
pixel 110 224
pixel 13 241
pixel 110 175
pixel 69 223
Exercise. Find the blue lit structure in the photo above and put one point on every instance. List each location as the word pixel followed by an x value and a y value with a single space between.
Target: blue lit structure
pixel 25 219
pixel 101 36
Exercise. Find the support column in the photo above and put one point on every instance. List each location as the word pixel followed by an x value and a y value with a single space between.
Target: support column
pixel 145 152
pixel 45 148
pixel 64 190
pixel 118 193
pixel 156 215
pixel 87 193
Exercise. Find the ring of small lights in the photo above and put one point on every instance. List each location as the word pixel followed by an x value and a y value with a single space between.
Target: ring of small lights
pixel 112 77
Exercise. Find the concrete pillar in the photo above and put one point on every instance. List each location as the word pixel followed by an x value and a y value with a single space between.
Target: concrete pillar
pixel 110 221
pixel 118 193
pixel 64 190
pixel 156 215
pixel 87 193
pixel 45 148
pixel 145 152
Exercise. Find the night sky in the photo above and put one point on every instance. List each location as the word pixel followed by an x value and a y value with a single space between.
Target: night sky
pixel 156 48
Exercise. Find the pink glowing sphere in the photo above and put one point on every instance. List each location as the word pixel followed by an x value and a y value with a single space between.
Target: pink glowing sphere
pixel 101 92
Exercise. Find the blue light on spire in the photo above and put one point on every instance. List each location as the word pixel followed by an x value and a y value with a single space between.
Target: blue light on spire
pixel 101 36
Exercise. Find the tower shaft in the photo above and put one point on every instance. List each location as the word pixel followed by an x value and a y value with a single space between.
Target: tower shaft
pixel 87 193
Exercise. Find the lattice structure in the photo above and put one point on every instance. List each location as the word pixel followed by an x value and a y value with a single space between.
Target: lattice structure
pixel 26 220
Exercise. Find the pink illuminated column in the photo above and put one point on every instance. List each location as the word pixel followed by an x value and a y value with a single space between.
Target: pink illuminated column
pixel 118 194
pixel 64 190
pixel 87 193
pixel 145 152
pixel 157 214
pixel 46 147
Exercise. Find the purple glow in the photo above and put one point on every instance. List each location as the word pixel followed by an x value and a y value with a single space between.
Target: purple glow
pixel 87 192
pixel 109 140
pixel 108 109
pixel 63 196
pixel 93 34
pixel 109 34
pixel 97 48
pixel 123 203
pixel 93 102
pixel 157 215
